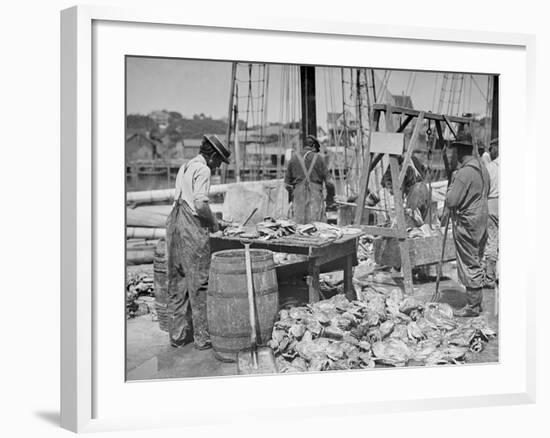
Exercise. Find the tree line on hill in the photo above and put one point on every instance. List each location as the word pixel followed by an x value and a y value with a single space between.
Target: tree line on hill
pixel 179 127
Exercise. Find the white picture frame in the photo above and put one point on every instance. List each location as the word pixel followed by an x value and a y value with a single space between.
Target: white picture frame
pixel 85 362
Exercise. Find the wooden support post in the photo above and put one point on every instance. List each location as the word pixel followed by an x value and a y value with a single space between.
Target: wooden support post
pixel 363 185
pixel 406 268
pixel 405 123
pixel 349 290
pixel 447 121
pixel 313 283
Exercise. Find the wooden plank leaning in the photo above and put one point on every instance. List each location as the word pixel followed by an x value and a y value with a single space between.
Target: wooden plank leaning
pixel 410 148
pixel 404 245
pixel 364 181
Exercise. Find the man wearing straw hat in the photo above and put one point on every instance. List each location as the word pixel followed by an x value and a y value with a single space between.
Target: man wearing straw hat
pixel 467 203
pixel 188 230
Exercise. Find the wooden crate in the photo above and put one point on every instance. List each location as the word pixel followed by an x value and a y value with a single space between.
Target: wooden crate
pixel 423 250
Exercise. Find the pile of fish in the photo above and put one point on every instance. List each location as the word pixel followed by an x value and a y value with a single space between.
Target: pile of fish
pixel 140 297
pixel 271 228
pixel 268 229
pixel 379 329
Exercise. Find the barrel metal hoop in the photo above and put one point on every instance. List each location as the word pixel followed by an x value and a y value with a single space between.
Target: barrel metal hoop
pixel 242 271
pixel 240 335
pixel 261 293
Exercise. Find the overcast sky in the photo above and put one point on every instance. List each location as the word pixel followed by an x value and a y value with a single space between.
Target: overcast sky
pixel 194 87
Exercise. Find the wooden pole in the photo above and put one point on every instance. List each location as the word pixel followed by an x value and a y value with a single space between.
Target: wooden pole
pixel 237 148
pixel 494 115
pixel 404 246
pixel 229 114
pixel 309 117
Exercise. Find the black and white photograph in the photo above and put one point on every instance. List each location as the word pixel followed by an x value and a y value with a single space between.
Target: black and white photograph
pixel 285 218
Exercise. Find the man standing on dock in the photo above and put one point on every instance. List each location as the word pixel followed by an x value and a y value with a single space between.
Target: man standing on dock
pixel 491 251
pixel 188 230
pixel 467 202
pixel 304 179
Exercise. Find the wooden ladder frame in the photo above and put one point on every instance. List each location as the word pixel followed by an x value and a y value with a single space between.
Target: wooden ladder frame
pixel 398 175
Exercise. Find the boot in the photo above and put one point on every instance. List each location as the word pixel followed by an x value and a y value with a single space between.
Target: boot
pixel 490 274
pixel 466 312
pixel 473 308
pixel 475 298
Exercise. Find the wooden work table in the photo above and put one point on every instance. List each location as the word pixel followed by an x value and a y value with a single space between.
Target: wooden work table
pixel 341 253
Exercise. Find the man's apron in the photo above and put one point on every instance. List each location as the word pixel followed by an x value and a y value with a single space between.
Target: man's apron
pixel 470 237
pixel 308 204
pixel 188 260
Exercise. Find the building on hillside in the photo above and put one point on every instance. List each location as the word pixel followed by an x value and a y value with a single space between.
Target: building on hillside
pixel 402 101
pixel 161 118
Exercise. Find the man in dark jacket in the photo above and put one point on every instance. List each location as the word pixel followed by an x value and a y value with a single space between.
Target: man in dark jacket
pixel 467 202
pixel 305 175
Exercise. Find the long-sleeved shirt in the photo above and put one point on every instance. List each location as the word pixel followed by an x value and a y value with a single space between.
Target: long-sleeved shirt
pixel 193 182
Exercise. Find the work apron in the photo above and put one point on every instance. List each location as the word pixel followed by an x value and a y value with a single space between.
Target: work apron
pixel 308 204
pixel 188 265
pixel 470 237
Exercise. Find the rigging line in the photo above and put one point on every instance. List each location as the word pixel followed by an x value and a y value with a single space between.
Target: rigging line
pixel 266 101
pixel 456 96
pixel 488 109
pixel 345 133
pixel 413 84
pixel 470 93
pixel 255 81
pixel 261 89
pixel 435 91
pixel 336 165
pixel 478 87
pixel 441 92
pixel 462 95
pixel 279 139
pixel 408 83
pixel 325 73
pixel 245 146
pixel 451 94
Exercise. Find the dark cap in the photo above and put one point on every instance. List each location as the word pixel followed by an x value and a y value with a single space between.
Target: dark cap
pixel 220 148
pixel 463 139
pixel 312 141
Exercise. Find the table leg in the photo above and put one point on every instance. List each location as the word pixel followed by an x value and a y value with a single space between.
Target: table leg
pixel 349 290
pixel 314 286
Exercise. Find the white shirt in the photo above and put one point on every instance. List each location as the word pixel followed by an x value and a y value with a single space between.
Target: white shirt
pixel 193 182
pixel 485 158
pixel 492 168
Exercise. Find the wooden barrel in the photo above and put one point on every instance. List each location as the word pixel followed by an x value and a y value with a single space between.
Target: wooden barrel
pixel 160 277
pixel 227 301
